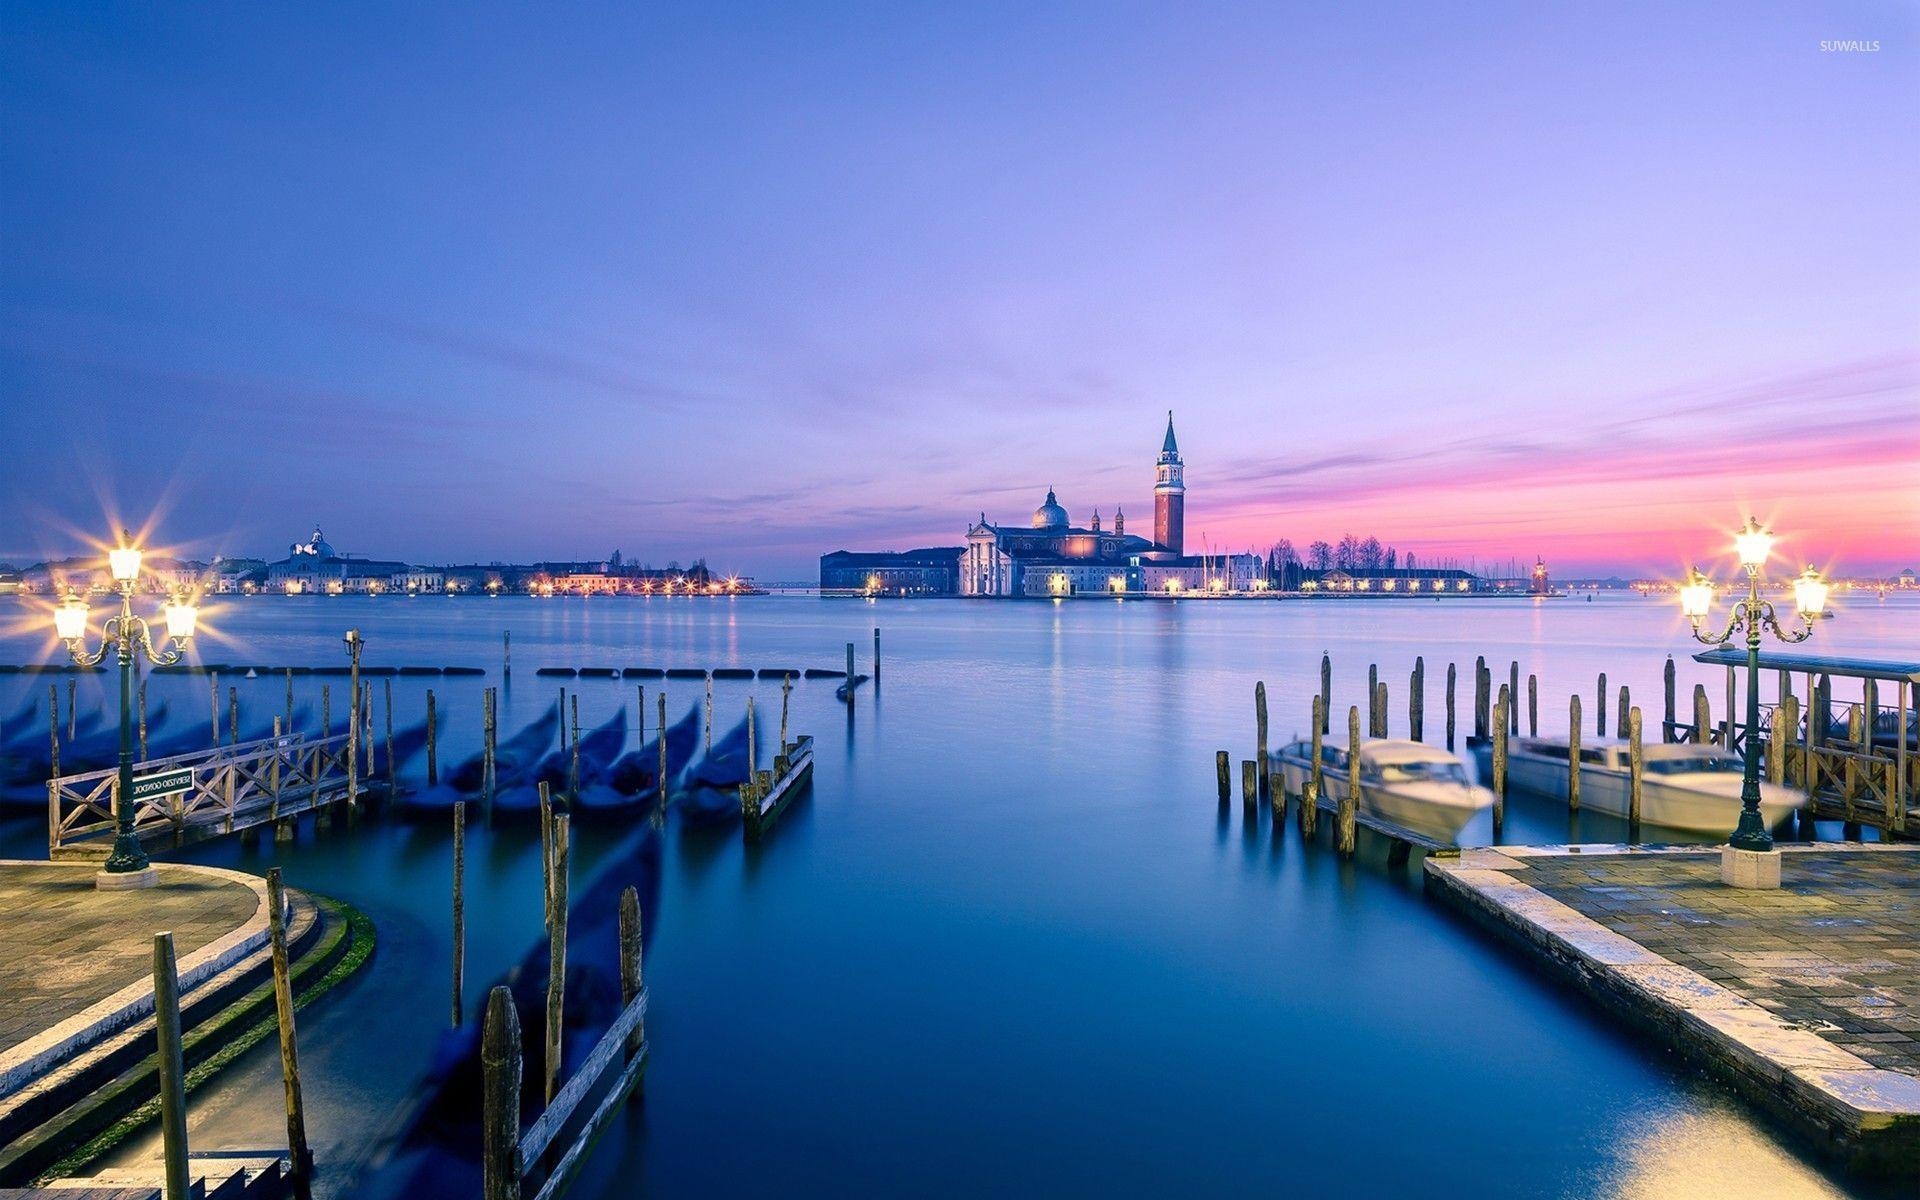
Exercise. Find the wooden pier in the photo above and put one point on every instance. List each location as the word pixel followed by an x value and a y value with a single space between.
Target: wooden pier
pixel 231 788
pixel 765 797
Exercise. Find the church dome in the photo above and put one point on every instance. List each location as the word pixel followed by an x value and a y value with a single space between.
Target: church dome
pixel 1050 515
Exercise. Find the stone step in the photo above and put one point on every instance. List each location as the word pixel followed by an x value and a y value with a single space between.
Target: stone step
pixel 62 1111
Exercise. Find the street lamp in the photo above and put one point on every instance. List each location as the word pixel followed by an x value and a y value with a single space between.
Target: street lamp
pixel 1751 615
pixel 127 636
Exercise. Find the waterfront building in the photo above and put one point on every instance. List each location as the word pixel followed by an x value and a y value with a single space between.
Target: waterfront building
pixel 930 571
pixel 315 567
pixel 1051 556
pixel 1392 580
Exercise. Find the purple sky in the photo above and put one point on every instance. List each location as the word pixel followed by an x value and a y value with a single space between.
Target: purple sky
pixel 1492 280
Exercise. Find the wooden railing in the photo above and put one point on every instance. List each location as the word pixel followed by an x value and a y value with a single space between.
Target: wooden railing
pixel 232 786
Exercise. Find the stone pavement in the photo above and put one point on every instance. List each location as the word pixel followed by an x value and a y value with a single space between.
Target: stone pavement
pixel 1836 950
pixel 1805 999
pixel 67 948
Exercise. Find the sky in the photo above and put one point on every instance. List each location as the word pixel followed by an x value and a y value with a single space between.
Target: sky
pixel 756 282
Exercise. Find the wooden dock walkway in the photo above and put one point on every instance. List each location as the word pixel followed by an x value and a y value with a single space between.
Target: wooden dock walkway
pixel 233 788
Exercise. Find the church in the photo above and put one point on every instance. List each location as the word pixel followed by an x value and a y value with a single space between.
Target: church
pixel 1051 556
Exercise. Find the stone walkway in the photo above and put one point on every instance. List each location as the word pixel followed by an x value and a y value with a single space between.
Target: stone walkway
pixel 1805 999
pixel 65 946
pixel 1836 950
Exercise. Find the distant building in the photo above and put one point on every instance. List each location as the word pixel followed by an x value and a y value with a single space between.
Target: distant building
pixel 1907 578
pixel 930 571
pixel 231 575
pixel 1391 580
pixel 1541 586
pixel 1051 556
pixel 314 567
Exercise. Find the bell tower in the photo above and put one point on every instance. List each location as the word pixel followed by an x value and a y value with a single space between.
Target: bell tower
pixel 1169 495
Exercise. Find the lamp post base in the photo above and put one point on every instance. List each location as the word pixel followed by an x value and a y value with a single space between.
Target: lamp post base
pixel 125 881
pixel 1749 868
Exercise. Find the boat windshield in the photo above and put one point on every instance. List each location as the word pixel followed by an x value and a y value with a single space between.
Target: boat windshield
pixel 1692 764
pixel 1421 772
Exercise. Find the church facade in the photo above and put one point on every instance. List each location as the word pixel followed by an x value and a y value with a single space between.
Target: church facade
pixel 1051 556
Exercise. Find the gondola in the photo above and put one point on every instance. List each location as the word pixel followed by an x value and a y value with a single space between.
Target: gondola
pixel 634 778
pixel 597 750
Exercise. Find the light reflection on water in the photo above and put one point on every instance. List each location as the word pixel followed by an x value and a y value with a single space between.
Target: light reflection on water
pixel 1707 1153
pixel 1008 943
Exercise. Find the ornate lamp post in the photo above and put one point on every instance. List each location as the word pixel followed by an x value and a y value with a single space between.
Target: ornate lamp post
pixel 127 636
pixel 1751 615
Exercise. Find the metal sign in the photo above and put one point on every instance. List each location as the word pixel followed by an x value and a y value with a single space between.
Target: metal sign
pixel 165 783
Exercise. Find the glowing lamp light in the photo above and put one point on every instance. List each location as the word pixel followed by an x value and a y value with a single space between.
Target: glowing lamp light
pixel 1810 593
pixel 182 618
pixel 70 618
pixel 1696 596
pixel 1753 544
pixel 124 562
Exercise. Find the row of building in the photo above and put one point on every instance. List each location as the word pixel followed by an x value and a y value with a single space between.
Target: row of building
pixel 1050 556
pixel 315 568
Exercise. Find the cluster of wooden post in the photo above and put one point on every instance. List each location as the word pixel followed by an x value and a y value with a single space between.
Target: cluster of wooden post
pixel 171 1063
pixel 508 1155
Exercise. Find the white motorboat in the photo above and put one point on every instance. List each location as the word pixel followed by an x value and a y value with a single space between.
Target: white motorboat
pixel 1418 787
pixel 1682 786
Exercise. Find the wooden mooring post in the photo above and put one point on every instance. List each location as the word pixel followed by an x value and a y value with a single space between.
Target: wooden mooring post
pixel 1316 783
pixel 298 1155
pixel 631 983
pixel 1482 696
pixel 1417 700
pixel 213 705
pixel 1667 686
pixel 1373 699
pixel 876 657
pixel 663 752
pixel 1626 702
pixel 1636 772
pixel 556 955
pixel 1533 705
pixel 1600 708
pixel 500 1070
pixel 354 643
pixel 1573 752
pixel 433 742
pixel 1380 710
pixel 1249 785
pixel 233 716
pixel 1513 698
pixel 393 772
pixel 1452 673
pixel 171 1068
pixel 459 911
pixel 1223 771
pixel 1502 709
pixel 851 677
pixel 1348 812
pixel 1260 738
pixel 1702 716
pixel 73 713
pixel 1326 691
pixel 488 731
pixel 53 727
pixel 1786 719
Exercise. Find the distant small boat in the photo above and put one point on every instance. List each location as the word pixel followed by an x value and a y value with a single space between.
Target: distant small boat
pixel 1421 788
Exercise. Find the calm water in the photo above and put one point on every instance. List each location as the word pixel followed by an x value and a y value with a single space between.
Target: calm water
pixel 1007 944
